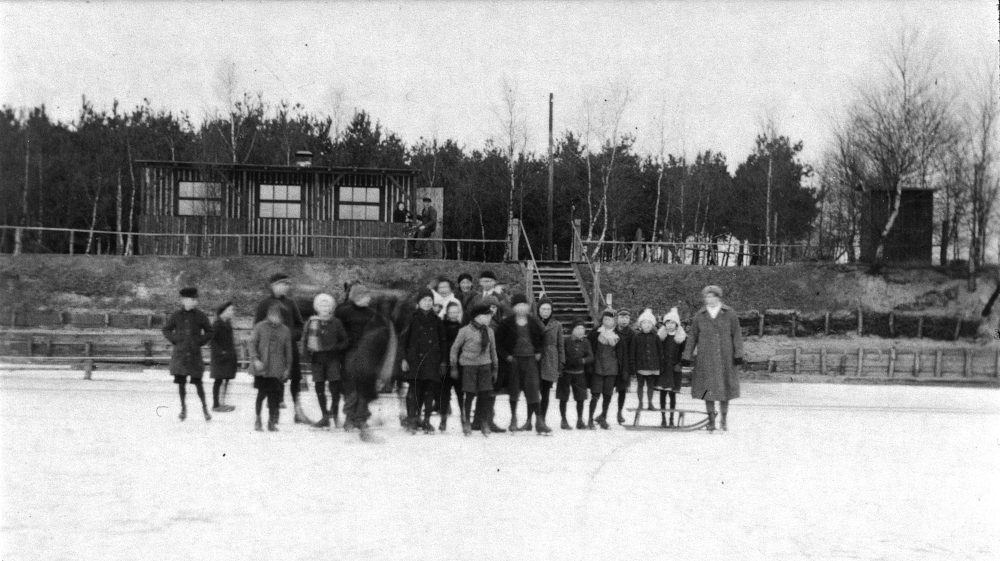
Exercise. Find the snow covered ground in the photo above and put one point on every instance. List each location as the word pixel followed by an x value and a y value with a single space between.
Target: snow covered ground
pixel 103 470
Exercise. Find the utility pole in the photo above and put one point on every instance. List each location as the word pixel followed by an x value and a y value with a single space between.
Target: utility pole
pixel 549 247
pixel 767 213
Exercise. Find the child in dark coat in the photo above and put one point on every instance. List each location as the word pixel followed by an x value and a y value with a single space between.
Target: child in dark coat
pixel 224 360
pixel 625 332
pixel 579 358
pixel 452 324
pixel 325 343
pixel 520 341
pixel 610 357
pixel 646 347
pixel 423 344
pixel 188 329
pixel 674 339
pixel 270 363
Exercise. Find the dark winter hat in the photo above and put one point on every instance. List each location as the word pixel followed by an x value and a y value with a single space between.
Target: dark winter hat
pixel 464 276
pixel 609 313
pixel 712 289
pixel 277 277
pixel 490 301
pixel 487 275
pixel 519 298
pixel 480 310
pixel 222 308
pixel 427 199
pixel 625 313
pixel 577 323
pixel 544 300
pixel 189 292
pixel 425 293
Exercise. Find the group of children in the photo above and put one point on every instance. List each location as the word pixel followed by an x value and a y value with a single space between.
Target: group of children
pixel 477 343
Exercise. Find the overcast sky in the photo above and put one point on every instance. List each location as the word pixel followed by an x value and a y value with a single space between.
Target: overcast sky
pixel 710 71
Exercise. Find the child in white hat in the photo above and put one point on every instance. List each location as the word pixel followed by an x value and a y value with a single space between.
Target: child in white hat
pixel 673 337
pixel 646 355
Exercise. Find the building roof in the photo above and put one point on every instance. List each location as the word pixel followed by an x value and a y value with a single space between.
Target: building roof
pixel 293 168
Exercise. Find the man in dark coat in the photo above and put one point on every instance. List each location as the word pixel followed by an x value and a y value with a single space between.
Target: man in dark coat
pixel 715 342
pixel 187 330
pixel 426 227
pixel 280 286
pixel 423 345
pixel 371 339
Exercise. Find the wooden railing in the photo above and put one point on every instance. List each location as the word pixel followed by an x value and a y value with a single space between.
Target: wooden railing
pixel 698 253
pixel 217 237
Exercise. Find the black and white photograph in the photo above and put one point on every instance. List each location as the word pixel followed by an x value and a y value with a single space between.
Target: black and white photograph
pixel 500 280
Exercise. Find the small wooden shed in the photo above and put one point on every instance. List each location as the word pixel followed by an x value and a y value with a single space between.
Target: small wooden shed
pixel 231 209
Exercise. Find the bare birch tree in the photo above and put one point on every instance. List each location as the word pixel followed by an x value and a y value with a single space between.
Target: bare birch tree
pixel 513 136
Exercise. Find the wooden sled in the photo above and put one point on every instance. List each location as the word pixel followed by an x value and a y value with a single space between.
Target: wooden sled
pixel 684 420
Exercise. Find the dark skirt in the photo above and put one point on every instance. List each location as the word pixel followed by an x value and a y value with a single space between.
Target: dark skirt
pixel 669 380
pixel 267 384
pixel 223 369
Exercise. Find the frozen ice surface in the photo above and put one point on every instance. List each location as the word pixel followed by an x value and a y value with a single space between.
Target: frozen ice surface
pixel 104 470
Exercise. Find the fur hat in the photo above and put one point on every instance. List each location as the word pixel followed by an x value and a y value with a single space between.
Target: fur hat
pixel 322 297
pixel 490 301
pixel 425 293
pixel 464 276
pixel 647 315
pixel 480 310
pixel 680 335
pixel 712 289
pixel 277 277
pixel 222 308
pixel 189 292
pixel 487 275
pixel 519 298
pixel 544 300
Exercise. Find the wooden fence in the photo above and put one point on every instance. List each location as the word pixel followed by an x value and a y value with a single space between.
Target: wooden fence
pixel 701 253
pixel 891 364
pixel 889 325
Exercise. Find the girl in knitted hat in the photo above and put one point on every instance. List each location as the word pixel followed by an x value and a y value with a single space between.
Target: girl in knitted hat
pixel 645 350
pixel 552 362
pixel 673 338
pixel 325 343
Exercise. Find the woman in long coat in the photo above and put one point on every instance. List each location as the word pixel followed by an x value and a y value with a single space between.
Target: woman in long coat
pixel 553 359
pixel 717 343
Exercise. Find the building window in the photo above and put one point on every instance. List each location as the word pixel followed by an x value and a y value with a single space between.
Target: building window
pixel 359 203
pixel 199 199
pixel 280 201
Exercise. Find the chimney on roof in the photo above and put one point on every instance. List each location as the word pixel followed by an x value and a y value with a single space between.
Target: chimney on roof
pixel 303 159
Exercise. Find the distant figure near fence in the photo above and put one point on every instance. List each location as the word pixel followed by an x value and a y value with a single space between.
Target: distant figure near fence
pixel 426 227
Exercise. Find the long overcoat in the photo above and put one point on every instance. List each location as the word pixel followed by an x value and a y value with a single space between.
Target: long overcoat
pixel 715 343
pixel 425 346
pixel 187 330
pixel 223 356
pixel 553 352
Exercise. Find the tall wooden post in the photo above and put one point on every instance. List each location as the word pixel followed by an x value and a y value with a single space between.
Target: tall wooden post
pixel 513 238
pixel 549 247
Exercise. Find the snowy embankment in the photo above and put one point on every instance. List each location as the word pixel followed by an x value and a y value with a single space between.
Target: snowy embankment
pixel 103 470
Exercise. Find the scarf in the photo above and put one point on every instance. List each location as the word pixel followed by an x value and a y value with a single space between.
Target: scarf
pixel 484 336
pixel 607 336
pixel 714 311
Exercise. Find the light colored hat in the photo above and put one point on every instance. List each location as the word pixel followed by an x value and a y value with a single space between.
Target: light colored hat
pixel 322 297
pixel 713 289
pixel 647 315
pixel 673 315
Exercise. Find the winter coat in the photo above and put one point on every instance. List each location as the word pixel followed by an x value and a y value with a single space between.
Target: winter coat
pixel 187 330
pixel 608 360
pixel 714 344
pixel 356 320
pixel 272 345
pixel 223 345
pixel 553 352
pixel 579 356
pixel 331 342
pixel 507 336
pixel 467 349
pixel 424 346
pixel 627 335
pixel 671 354
pixel 290 315
pixel 646 352
pixel 451 329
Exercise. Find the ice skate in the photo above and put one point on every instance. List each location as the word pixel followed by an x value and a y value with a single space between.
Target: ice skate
pixel 368 435
pixel 542 429
pixel 486 429
pixel 564 425
pixel 604 422
pixel 580 425
pixel 204 410
pixel 427 427
pixel 711 422
pixel 590 425
pixel 272 425
pixel 443 425
pixel 223 408
pixel 722 424
pixel 323 423
pixel 258 425
pixel 512 427
pixel 621 418
pixel 495 427
pixel 184 413
pixel 526 427
pixel 466 428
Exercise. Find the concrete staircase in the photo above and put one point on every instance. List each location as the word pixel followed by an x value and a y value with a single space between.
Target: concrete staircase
pixel 562 285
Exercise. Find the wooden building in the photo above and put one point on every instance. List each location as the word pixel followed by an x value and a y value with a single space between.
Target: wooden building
pixel 911 238
pixel 231 209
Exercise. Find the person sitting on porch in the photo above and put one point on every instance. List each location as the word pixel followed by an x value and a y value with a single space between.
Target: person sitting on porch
pixel 428 223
